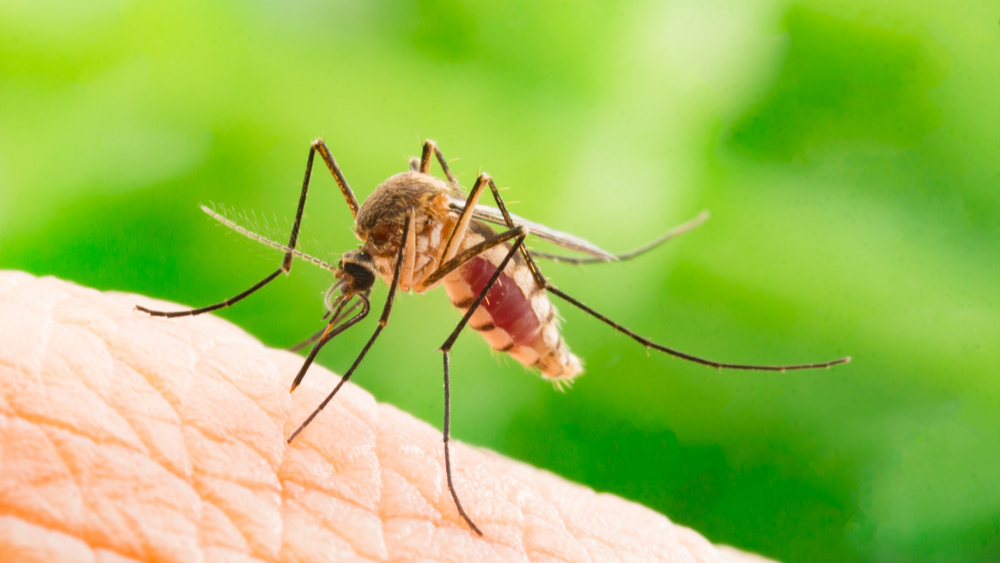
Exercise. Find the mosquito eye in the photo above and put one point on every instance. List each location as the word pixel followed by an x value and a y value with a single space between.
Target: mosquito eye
pixel 363 277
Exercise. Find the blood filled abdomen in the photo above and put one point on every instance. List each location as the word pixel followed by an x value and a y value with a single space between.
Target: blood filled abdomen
pixel 515 317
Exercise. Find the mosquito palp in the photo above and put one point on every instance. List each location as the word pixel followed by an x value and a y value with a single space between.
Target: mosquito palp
pixel 419 232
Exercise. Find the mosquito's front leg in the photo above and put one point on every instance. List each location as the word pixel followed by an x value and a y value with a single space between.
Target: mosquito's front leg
pixel 382 322
pixel 286 264
pixel 319 146
pixel 323 331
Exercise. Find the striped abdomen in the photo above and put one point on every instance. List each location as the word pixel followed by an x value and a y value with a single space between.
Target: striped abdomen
pixel 515 317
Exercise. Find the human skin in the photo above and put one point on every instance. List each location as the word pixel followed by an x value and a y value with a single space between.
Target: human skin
pixel 130 438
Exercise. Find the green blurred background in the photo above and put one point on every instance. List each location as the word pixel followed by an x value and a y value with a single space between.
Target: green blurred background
pixel 849 153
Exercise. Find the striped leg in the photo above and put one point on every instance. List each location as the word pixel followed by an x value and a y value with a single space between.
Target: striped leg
pixel 286 264
pixel 545 284
pixel 445 350
pixel 382 322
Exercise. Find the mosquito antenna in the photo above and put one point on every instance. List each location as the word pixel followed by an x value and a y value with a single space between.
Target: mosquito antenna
pixel 650 344
pixel 264 240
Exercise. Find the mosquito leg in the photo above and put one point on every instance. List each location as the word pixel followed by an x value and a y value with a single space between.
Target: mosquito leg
pixel 335 315
pixel 286 263
pixel 328 333
pixel 409 242
pixel 319 146
pixel 464 218
pixel 445 350
pixel 382 321
pixel 672 233
pixel 535 271
pixel 430 147
pixel 318 334
pixel 472 252
pixel 650 344
pixel 226 303
pixel 308 341
pixel 544 283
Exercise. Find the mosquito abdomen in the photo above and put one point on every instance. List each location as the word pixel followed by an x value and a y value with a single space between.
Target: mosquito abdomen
pixel 516 317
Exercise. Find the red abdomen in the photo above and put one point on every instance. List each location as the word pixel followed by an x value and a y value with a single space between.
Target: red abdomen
pixel 515 317
pixel 508 306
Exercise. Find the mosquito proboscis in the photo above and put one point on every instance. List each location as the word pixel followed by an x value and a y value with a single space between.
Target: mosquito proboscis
pixel 418 232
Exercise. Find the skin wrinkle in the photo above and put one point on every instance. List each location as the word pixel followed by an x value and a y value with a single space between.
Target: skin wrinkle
pixel 111 405
pixel 207 486
pixel 85 534
pixel 51 424
pixel 66 475
pixel 155 417
pixel 57 546
pixel 205 473
pixel 204 480
pixel 191 474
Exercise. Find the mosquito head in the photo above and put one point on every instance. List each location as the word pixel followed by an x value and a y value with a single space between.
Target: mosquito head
pixel 356 272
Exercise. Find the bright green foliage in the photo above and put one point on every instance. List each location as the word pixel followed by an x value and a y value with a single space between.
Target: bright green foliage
pixel 849 153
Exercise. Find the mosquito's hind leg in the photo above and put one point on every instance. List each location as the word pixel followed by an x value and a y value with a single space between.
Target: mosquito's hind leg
pixel 543 283
pixel 650 344
pixel 286 264
pixel 446 350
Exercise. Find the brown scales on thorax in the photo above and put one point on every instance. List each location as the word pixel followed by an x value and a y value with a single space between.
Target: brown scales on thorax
pixel 516 317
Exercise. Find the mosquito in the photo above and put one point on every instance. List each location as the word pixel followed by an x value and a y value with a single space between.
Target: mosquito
pixel 418 232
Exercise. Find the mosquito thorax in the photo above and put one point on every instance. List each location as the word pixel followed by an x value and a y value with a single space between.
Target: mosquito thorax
pixel 380 220
pixel 381 217
pixel 357 270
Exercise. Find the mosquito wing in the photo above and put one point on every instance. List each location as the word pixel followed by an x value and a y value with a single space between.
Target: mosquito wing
pixel 559 238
